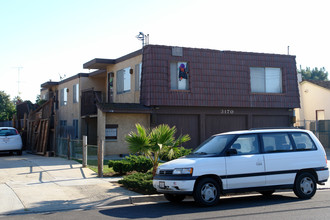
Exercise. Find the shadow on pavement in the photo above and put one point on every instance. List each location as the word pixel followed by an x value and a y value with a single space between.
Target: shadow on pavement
pixel 167 209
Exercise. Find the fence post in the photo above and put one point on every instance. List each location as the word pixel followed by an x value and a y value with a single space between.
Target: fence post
pixel 84 159
pixel 69 150
pixel 100 158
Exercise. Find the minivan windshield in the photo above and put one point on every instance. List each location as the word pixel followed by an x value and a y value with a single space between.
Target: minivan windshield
pixel 214 145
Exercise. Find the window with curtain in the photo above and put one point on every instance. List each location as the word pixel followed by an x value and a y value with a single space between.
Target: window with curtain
pixel 138 71
pixel 179 75
pixel 76 93
pixel 63 97
pixel 266 80
pixel 123 80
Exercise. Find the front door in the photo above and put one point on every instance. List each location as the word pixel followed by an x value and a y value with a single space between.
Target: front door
pixel 246 169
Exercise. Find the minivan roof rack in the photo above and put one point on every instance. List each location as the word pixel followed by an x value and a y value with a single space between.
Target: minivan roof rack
pixel 261 128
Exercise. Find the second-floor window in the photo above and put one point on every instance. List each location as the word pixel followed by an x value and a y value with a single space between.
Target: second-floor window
pixel 76 93
pixel 138 71
pixel 266 80
pixel 63 97
pixel 123 80
pixel 179 75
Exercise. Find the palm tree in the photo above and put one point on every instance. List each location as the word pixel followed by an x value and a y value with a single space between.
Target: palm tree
pixel 151 142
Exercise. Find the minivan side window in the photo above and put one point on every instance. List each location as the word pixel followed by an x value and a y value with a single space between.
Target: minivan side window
pixel 246 144
pixel 276 142
pixel 303 141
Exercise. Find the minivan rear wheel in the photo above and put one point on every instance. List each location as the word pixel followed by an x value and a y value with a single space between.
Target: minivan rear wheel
pixel 207 192
pixel 305 186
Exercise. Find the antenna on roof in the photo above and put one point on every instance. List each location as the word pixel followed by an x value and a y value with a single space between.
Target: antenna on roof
pixel 288 50
pixel 144 38
pixel 62 77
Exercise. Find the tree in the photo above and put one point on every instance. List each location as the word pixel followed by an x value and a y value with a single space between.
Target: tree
pixel 151 142
pixel 40 101
pixel 314 74
pixel 7 108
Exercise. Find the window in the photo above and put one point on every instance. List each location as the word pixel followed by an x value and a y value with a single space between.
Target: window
pixel 75 129
pixel 276 142
pixel 64 97
pixel 138 71
pixel 76 93
pixel 111 132
pixel 266 80
pixel 179 75
pixel 303 141
pixel 123 80
pixel 246 144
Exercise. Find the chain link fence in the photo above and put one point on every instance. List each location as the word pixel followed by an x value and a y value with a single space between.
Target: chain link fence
pixel 320 128
pixel 73 149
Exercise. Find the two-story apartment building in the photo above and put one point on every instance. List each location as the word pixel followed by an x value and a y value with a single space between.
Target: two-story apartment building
pixel 200 91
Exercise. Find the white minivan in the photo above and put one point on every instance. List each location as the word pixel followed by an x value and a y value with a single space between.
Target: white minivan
pixel 261 160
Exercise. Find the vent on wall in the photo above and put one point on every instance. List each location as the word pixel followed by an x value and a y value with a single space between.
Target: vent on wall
pixel 177 51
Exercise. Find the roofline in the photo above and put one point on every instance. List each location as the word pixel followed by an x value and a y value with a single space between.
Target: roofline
pixel 101 63
pixel 50 83
pixel 98 61
pixel 314 83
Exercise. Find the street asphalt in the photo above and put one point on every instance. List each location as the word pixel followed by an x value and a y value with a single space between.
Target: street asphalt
pixel 34 184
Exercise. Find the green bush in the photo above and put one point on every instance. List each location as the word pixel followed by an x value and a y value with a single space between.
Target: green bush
pixel 177 152
pixel 139 182
pixel 131 163
pixel 121 166
pixel 140 163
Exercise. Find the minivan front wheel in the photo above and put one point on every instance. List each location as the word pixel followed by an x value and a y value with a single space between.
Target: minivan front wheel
pixel 207 192
pixel 305 186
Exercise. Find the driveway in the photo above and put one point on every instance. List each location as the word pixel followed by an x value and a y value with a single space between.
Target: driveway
pixel 31 183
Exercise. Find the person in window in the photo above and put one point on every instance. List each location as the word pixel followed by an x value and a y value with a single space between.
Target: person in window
pixel 183 76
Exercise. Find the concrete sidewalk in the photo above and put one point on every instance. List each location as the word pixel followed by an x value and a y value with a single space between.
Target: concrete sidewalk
pixel 31 183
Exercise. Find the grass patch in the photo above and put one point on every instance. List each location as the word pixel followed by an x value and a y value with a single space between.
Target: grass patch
pixel 92 164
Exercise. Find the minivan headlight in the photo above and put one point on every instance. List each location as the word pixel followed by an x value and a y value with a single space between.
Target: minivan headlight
pixel 181 171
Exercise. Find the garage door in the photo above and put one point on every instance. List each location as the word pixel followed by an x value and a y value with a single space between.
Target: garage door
pixel 185 124
pixel 215 124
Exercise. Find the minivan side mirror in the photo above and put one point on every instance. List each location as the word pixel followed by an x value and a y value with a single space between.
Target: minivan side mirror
pixel 231 151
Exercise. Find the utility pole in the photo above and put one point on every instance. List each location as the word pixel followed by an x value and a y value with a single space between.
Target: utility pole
pixel 18 78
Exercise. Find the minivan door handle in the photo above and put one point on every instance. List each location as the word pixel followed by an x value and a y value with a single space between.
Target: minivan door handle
pixel 259 162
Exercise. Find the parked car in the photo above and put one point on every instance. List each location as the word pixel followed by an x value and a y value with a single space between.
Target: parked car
pixel 10 140
pixel 254 160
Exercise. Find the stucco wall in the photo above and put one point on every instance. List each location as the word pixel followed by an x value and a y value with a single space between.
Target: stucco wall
pixel 126 124
pixel 134 95
pixel 71 110
pixel 313 97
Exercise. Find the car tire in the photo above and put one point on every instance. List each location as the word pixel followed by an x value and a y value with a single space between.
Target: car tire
pixel 267 193
pixel 207 192
pixel 176 198
pixel 305 186
pixel 19 152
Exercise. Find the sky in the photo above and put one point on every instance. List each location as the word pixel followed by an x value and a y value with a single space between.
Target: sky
pixel 42 40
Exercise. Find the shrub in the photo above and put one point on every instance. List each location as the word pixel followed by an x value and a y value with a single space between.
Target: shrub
pixel 139 182
pixel 131 163
pixel 121 166
pixel 140 163
pixel 177 152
